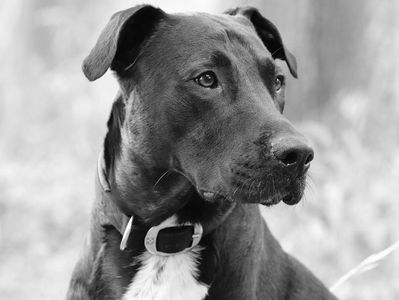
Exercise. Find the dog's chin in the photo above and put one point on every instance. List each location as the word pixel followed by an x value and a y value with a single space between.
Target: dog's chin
pixel 272 200
pixel 292 199
pixel 291 196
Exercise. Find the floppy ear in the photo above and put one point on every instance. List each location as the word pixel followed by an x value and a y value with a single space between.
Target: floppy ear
pixel 119 43
pixel 269 35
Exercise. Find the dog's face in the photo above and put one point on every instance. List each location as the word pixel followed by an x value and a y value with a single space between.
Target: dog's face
pixel 206 94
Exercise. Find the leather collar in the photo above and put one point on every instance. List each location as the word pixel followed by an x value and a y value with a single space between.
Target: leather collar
pixel 167 238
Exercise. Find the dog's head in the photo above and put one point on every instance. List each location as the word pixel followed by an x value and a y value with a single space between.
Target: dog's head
pixel 202 97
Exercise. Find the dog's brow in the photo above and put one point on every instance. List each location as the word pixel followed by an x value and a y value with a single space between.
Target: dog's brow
pixel 267 63
pixel 266 66
pixel 220 59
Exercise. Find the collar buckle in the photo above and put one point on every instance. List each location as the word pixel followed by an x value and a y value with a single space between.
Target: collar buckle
pixel 150 240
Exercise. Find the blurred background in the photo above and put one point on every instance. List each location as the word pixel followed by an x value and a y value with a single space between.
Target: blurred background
pixel 52 122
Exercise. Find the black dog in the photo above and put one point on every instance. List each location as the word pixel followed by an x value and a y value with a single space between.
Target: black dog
pixel 195 134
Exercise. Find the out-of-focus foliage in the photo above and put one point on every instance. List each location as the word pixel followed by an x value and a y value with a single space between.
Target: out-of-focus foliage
pixel 346 102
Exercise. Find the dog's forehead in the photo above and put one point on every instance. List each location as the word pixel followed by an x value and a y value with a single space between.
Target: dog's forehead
pixel 187 34
pixel 214 21
pixel 203 26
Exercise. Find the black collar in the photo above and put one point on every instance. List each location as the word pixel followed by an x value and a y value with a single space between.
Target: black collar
pixel 167 238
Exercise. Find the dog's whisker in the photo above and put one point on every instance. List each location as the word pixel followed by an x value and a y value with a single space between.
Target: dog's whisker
pixel 310 182
pixel 244 184
pixel 250 187
pixel 273 187
pixel 234 192
pixel 259 191
pixel 160 178
pixel 275 51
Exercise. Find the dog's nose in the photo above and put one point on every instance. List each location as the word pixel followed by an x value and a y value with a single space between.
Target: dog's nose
pixel 293 152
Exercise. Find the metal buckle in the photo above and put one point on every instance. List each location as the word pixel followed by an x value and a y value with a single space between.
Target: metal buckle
pixel 150 240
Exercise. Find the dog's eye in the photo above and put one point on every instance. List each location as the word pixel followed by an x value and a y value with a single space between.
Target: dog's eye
pixel 279 82
pixel 207 80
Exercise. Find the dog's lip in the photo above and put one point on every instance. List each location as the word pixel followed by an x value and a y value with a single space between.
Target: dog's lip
pixel 270 201
pixel 208 194
pixel 274 199
pixel 212 196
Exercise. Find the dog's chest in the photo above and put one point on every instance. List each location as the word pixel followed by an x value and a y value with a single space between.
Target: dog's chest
pixel 167 278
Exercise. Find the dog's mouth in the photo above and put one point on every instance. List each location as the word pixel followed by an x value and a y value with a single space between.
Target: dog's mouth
pixel 266 190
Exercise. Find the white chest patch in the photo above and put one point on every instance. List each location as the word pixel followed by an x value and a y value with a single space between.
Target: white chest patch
pixel 167 278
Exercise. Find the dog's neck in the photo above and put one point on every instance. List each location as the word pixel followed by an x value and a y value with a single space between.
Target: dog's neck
pixel 192 207
pixel 203 260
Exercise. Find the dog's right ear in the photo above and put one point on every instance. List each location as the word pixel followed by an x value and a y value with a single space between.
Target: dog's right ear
pixel 119 44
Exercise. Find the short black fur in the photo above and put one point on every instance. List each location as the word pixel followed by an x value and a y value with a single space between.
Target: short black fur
pixel 112 142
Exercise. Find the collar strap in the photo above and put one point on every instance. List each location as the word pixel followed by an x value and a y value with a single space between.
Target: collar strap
pixel 167 238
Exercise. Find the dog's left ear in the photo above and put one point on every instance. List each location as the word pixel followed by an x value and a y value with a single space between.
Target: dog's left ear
pixel 269 35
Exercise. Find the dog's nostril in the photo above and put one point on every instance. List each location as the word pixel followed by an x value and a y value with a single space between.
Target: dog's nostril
pixel 309 158
pixel 289 158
